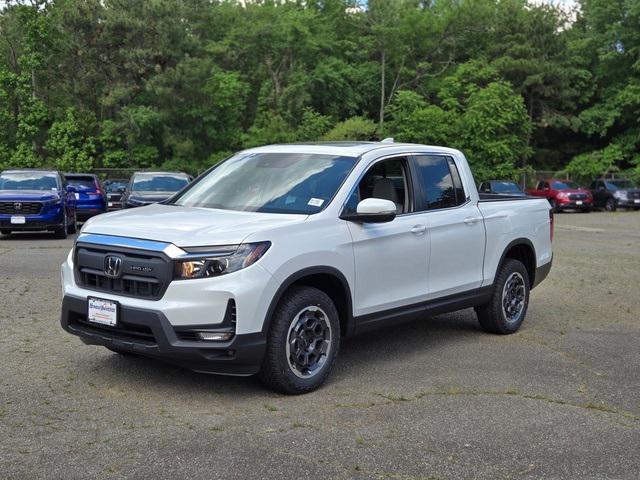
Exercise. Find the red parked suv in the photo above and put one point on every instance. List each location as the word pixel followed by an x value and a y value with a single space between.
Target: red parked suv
pixel 563 195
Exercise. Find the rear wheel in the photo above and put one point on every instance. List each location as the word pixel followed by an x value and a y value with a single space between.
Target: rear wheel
pixel 507 308
pixel 302 343
pixel 610 206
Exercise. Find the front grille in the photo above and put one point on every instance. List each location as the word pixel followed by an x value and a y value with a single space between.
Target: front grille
pixel 633 195
pixel 20 208
pixel 577 196
pixel 142 275
pixel 127 286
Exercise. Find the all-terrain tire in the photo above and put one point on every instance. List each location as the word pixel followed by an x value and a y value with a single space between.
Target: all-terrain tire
pixel 278 370
pixel 493 316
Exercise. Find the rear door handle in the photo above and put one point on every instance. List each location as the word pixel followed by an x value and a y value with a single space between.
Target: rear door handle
pixel 471 220
pixel 418 229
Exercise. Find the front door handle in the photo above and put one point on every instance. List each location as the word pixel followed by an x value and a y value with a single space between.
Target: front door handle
pixel 471 220
pixel 418 229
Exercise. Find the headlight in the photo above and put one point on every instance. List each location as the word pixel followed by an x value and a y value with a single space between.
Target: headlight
pixel 219 261
pixel 53 201
pixel 620 195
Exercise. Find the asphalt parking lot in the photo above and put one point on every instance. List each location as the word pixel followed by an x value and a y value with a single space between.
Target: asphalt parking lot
pixel 431 399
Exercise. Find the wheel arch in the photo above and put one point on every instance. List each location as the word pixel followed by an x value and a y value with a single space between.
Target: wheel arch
pixel 328 279
pixel 521 249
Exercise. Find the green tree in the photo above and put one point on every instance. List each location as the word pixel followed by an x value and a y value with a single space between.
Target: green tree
pixel 70 145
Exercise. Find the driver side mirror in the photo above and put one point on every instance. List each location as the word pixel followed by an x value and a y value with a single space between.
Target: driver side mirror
pixel 373 210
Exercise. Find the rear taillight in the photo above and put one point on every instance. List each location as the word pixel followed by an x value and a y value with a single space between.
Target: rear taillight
pixel 551 223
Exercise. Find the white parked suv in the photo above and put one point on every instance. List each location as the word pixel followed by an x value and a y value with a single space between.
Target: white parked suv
pixel 266 261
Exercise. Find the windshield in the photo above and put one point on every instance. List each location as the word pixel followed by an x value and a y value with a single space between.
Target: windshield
pixel 28 181
pixel 565 185
pixel 114 185
pixel 620 184
pixel 152 182
pixel 270 182
pixel 505 187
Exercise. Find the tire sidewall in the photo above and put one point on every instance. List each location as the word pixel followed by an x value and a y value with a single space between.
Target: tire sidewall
pixel 512 266
pixel 294 301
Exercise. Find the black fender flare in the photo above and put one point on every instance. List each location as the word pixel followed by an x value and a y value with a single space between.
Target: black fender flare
pixel 305 272
pixel 515 243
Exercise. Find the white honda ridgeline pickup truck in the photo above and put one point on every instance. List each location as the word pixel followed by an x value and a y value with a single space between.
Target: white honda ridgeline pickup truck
pixel 267 260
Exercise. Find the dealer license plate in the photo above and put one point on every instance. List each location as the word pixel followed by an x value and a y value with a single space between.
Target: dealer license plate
pixel 18 220
pixel 579 202
pixel 102 311
pixel 637 200
pixel 111 204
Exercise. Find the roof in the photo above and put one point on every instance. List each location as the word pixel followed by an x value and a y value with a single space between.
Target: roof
pixel 32 170
pixel 80 175
pixel 161 173
pixel 346 149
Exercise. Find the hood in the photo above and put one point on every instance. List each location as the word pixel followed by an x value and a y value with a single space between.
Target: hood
pixel 572 191
pixel 150 197
pixel 186 226
pixel 28 195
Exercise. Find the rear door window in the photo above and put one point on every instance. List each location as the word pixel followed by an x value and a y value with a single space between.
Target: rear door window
pixel 439 181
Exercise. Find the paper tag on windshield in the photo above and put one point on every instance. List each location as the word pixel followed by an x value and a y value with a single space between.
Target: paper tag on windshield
pixel 315 202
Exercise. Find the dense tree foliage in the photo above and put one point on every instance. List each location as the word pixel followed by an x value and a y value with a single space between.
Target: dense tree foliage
pixel 182 83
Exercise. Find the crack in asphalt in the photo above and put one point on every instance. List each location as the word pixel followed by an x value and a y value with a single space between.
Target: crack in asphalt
pixel 588 405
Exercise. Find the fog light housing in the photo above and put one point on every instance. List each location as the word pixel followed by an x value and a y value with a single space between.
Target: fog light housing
pixel 215 336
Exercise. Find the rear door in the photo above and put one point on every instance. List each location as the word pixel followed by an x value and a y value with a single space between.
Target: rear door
pixel 390 258
pixel 455 225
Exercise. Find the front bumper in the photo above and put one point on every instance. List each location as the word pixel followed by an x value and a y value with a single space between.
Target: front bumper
pixel 44 221
pixel 627 203
pixel 571 204
pixel 149 333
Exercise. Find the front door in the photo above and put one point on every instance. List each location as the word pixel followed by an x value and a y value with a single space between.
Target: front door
pixel 390 258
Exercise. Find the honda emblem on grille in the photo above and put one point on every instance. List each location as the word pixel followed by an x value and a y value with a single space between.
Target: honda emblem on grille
pixel 17 206
pixel 112 266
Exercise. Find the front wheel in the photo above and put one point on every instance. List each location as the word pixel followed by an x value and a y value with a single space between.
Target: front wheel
pixel 507 308
pixel 610 206
pixel 302 343
pixel 61 231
